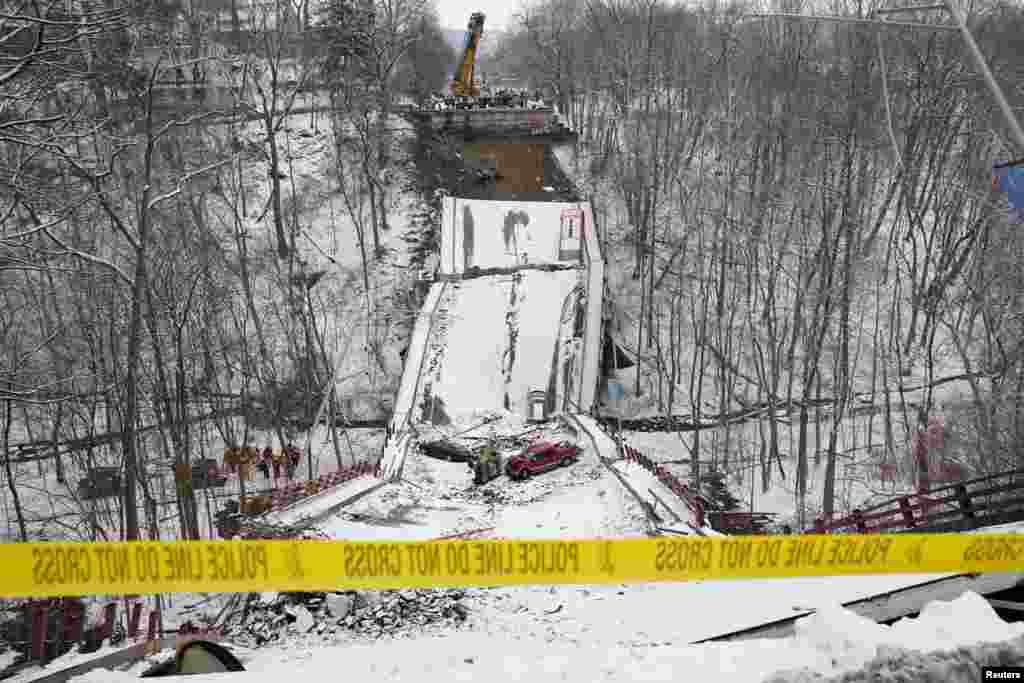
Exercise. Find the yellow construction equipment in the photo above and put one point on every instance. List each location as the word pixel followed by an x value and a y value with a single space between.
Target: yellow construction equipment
pixel 462 84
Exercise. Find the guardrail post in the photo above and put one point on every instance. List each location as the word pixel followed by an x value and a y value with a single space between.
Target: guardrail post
pixel 109 616
pixel 964 500
pixel 153 632
pixel 58 636
pixel 40 612
pixel 133 620
pixel 858 521
pixel 74 620
pixel 907 512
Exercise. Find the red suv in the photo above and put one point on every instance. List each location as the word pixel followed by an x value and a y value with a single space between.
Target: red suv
pixel 541 457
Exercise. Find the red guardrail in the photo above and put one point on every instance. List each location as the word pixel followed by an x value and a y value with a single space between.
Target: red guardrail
pixel 54 627
pixel 295 491
pixel 966 502
pixel 693 500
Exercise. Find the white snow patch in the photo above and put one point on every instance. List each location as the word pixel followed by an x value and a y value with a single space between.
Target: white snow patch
pixel 626 636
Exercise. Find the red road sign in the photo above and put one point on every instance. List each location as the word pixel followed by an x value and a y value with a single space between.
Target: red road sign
pixel 574 218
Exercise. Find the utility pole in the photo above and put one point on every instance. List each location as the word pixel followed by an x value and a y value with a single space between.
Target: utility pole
pixel 960 21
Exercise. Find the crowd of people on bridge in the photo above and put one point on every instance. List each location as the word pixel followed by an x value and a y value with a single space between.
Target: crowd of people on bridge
pixel 282 463
pixel 489 99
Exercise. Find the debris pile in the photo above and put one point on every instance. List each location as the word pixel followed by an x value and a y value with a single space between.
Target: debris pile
pixel 261 528
pixel 502 493
pixel 269 617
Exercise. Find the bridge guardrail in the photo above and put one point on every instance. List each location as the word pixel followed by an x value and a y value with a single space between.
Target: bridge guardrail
pixel 966 504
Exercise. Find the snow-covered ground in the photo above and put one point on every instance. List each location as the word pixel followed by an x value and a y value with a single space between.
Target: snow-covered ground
pixel 42 498
pixel 328 242
pixel 438 498
pixel 572 633
pixel 609 634
pixel 858 480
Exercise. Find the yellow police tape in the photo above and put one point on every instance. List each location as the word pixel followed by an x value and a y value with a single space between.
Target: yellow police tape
pixel 58 569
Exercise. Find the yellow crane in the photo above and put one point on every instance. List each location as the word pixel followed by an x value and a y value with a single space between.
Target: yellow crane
pixel 462 84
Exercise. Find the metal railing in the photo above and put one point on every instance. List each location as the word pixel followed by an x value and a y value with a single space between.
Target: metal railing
pixel 983 501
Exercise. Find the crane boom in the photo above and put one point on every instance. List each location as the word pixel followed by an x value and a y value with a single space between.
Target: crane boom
pixel 462 84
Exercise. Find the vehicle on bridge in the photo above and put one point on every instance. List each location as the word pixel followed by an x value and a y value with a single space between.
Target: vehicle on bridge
pixel 541 457
pixel 443 449
pixel 100 482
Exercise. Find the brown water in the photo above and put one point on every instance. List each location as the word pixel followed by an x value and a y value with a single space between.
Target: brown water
pixel 519 167
pixel 516 169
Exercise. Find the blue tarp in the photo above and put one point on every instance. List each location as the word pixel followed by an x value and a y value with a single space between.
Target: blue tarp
pixel 1010 180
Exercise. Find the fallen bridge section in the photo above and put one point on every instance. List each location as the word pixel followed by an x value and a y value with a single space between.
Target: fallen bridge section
pixel 666 512
pixel 414 358
pixel 593 333
pixel 483 234
pixel 500 343
pixel 397 444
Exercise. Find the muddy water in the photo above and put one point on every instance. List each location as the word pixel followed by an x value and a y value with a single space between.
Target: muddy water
pixel 516 169
pixel 519 167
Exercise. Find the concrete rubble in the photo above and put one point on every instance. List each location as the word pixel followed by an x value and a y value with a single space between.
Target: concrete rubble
pixel 371 614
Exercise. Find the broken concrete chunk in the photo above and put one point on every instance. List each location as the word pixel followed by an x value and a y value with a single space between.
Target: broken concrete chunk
pixel 340 604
